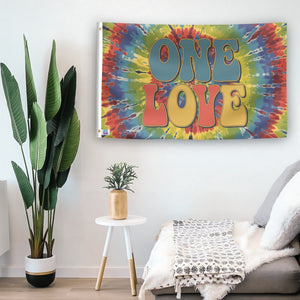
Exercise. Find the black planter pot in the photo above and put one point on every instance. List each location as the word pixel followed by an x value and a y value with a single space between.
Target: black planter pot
pixel 40 272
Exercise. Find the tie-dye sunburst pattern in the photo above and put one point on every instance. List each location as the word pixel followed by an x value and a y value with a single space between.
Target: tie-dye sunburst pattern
pixel 125 71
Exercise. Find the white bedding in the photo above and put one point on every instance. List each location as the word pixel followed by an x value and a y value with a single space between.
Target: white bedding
pixel 158 272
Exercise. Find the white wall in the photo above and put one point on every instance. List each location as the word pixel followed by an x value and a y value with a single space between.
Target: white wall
pixel 4 229
pixel 177 179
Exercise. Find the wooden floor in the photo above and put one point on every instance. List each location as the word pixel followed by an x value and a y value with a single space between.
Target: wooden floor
pixel 68 288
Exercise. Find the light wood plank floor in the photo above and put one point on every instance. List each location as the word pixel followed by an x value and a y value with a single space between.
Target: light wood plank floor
pixel 70 289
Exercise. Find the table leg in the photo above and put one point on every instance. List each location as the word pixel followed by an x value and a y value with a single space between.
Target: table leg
pixel 130 260
pixel 104 258
pixel 135 277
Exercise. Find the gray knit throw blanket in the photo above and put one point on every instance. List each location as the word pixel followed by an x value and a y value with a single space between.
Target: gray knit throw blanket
pixel 206 253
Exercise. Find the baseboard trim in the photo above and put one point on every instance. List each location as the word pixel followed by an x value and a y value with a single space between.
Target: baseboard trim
pixel 75 272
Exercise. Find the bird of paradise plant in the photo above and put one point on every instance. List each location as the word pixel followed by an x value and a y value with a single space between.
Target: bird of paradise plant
pixel 53 143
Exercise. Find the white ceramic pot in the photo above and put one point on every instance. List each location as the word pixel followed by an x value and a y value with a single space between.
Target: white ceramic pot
pixel 40 272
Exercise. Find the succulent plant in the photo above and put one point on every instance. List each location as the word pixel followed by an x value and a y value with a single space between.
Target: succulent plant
pixel 121 176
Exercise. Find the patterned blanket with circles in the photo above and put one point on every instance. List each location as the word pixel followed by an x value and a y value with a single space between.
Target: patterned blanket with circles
pixel 205 252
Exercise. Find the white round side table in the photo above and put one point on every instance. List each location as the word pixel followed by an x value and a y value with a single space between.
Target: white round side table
pixel 126 223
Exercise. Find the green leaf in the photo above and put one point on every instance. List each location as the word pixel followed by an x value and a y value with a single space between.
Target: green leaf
pixel 52 197
pixel 68 90
pixel 50 194
pixel 13 100
pixel 45 172
pixel 66 152
pixel 53 94
pixel 52 124
pixel 38 137
pixel 24 185
pixel 62 177
pixel 30 87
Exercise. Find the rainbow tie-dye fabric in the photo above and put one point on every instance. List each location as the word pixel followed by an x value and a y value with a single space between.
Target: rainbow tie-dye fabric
pixel 192 82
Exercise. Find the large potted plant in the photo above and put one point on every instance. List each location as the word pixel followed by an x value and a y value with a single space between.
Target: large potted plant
pixel 120 179
pixel 53 144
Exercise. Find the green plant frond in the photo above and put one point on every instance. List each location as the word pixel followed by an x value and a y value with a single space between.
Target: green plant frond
pixel 13 100
pixel 53 146
pixel 53 93
pixel 24 185
pixel 38 137
pixel 30 87
pixel 68 90
pixel 45 172
pixel 62 177
pixel 50 195
pixel 65 153
pixel 121 176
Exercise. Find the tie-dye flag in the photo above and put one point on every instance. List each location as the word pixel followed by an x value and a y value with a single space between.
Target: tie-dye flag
pixel 192 81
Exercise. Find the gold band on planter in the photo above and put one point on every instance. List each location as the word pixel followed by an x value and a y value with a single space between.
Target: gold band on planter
pixel 40 273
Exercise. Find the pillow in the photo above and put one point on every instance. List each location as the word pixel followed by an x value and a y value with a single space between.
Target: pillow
pixel 284 222
pixel 263 214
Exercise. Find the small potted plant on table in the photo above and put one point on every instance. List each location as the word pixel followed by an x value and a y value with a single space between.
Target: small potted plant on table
pixel 121 177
